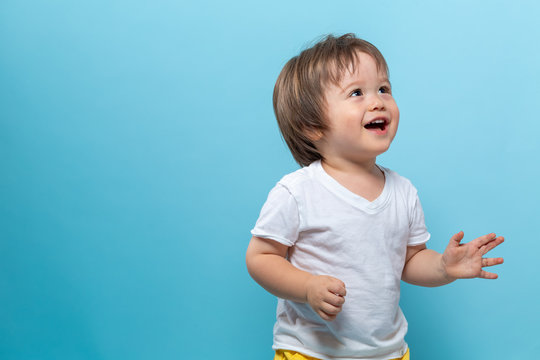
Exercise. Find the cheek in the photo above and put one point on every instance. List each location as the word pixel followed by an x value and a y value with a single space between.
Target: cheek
pixel 394 108
pixel 395 112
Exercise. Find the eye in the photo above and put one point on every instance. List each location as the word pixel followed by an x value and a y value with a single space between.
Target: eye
pixel 385 90
pixel 357 92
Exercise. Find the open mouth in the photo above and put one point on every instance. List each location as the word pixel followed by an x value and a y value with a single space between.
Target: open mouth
pixel 378 124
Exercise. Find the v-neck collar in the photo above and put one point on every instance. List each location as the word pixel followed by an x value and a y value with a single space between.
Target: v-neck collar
pixel 354 199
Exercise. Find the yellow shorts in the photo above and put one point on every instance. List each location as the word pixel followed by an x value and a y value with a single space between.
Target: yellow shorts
pixel 293 355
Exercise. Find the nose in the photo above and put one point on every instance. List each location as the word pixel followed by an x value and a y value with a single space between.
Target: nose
pixel 376 103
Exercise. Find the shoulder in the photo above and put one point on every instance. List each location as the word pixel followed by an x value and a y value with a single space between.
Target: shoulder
pixel 297 179
pixel 287 189
pixel 401 183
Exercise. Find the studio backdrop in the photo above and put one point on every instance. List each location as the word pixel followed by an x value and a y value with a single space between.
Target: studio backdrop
pixel 138 144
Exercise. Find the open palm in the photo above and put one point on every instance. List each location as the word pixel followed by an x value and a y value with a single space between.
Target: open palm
pixel 465 261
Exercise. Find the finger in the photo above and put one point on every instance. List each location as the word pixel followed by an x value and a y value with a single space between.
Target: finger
pixel 456 238
pixel 492 244
pixel 488 275
pixel 483 240
pixel 330 309
pixel 334 299
pixel 492 261
pixel 326 316
pixel 338 287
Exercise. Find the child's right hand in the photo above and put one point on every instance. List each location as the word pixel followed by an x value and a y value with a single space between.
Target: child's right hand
pixel 326 295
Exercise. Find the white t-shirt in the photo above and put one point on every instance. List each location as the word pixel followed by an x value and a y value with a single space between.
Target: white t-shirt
pixel 332 231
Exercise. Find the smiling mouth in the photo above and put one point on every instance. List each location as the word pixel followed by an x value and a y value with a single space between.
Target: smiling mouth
pixel 379 124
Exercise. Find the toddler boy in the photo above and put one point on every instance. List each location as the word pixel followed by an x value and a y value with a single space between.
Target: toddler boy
pixel 335 238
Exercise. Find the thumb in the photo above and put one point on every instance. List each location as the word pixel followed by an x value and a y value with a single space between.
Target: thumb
pixel 456 239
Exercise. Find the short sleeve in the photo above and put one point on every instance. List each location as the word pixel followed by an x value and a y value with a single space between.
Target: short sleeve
pixel 418 233
pixel 279 219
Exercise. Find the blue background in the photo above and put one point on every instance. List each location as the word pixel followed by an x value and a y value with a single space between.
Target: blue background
pixel 138 144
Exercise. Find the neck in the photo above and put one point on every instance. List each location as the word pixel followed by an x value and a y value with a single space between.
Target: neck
pixel 343 166
pixel 363 178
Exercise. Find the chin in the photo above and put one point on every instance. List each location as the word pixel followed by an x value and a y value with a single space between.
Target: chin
pixel 382 149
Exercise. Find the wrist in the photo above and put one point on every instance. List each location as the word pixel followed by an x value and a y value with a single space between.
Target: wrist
pixel 444 271
pixel 308 283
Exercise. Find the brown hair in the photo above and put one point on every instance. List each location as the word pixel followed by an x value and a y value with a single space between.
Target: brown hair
pixel 299 98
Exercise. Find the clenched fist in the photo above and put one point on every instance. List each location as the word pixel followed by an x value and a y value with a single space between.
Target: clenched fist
pixel 326 295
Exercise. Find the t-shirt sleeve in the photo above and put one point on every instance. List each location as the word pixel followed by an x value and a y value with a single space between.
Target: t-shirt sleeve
pixel 418 233
pixel 279 219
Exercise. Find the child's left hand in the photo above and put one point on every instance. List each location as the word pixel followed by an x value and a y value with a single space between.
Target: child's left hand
pixel 465 261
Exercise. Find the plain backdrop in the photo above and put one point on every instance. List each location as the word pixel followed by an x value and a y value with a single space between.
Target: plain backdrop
pixel 138 144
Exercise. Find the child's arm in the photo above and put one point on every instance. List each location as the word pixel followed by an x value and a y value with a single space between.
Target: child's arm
pixel 267 264
pixel 426 267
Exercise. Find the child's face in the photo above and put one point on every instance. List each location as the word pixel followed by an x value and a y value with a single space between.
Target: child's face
pixel 361 98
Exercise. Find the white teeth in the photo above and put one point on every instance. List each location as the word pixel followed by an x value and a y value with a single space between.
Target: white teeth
pixel 377 122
